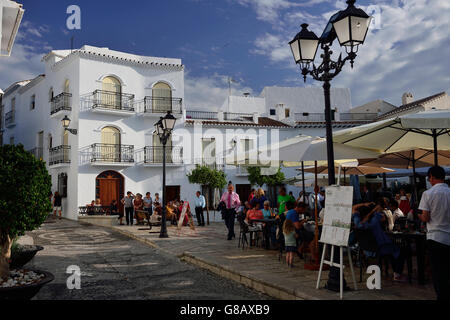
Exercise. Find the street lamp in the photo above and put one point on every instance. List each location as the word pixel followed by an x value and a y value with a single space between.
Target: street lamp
pixel 350 27
pixel 164 128
pixel 66 123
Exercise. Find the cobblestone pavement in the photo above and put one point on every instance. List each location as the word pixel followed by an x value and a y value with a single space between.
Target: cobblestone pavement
pixel 114 266
pixel 260 269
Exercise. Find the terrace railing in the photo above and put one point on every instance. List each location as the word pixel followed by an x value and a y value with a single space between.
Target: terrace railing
pixel 112 153
pixel 61 102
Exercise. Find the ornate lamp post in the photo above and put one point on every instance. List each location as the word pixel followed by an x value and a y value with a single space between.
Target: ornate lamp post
pixel 66 123
pixel 164 128
pixel 350 27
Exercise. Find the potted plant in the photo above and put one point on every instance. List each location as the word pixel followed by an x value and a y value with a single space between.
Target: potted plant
pixel 22 254
pixel 24 205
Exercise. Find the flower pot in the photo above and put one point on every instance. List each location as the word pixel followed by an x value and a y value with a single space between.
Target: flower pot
pixel 26 292
pixel 23 255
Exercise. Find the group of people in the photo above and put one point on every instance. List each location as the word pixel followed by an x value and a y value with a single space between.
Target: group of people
pixel 433 211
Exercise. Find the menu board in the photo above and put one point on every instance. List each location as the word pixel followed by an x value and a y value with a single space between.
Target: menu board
pixel 338 215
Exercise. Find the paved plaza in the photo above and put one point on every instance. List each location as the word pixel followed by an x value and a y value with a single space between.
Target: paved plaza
pixel 132 263
pixel 116 267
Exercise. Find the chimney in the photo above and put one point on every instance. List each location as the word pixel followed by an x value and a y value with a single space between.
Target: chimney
pixel 407 98
pixel 281 114
pixel 255 117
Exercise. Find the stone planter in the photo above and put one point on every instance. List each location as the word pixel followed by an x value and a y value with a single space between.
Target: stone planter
pixel 23 255
pixel 26 292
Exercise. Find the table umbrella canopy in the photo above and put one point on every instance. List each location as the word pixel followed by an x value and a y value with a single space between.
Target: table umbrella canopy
pixel 358 170
pixel 419 158
pixel 293 151
pixel 425 130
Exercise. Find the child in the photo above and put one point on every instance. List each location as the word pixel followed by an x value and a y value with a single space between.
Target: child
pixel 289 241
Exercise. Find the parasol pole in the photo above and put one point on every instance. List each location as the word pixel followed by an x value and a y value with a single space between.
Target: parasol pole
pixel 303 180
pixel 413 154
pixel 316 230
pixel 436 161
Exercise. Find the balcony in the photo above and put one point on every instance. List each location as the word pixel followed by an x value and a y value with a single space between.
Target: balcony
pixel 112 154
pixel 159 106
pixel 109 102
pixel 59 156
pixel 201 115
pixel 38 153
pixel 61 105
pixel 10 119
pixel 153 156
pixel 358 116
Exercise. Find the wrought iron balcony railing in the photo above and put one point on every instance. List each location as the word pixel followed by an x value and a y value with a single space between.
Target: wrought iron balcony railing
pixel 113 101
pixel 112 153
pixel 163 105
pixel 154 155
pixel 61 102
pixel 10 118
pixel 59 155
pixel 201 115
pixel 38 153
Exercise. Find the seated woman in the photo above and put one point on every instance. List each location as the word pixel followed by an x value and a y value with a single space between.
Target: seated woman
pixel 373 222
pixel 254 213
pixel 267 211
pixel 171 213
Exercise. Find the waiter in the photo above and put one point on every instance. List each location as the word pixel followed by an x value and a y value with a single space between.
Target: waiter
pixel 232 203
pixel 200 204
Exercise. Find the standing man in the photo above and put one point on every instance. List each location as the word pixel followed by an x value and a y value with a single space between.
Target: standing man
pixel 200 204
pixel 283 198
pixel 232 203
pixel 57 205
pixel 435 206
pixel 148 204
pixel 128 203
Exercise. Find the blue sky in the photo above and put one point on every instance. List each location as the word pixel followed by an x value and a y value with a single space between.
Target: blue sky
pixel 407 49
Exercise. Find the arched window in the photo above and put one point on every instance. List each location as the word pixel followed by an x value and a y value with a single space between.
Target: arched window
pixel 158 149
pixel 51 94
pixel 66 88
pixel 110 146
pixel 65 138
pixel 162 97
pixel 111 93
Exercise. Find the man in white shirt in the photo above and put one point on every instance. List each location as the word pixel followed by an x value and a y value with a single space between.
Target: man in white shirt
pixel 200 205
pixel 435 206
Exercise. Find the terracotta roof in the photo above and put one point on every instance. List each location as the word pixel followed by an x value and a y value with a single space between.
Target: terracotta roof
pixel 262 122
pixel 411 105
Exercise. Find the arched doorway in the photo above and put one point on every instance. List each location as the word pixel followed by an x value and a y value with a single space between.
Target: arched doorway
pixel 110 186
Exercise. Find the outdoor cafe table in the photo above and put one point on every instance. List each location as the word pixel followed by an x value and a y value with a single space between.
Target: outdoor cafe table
pixel 267 229
pixel 406 238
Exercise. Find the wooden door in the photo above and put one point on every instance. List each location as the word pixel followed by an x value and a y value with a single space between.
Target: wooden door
pixel 243 190
pixel 172 193
pixel 109 187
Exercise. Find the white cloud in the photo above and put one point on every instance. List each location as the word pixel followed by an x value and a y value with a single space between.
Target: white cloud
pixel 209 93
pixel 408 53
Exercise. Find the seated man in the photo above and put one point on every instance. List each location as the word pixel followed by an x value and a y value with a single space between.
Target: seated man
pixel 373 221
pixel 304 236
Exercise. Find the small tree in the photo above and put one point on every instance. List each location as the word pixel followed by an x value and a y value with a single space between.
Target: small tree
pixel 256 178
pixel 210 178
pixel 24 201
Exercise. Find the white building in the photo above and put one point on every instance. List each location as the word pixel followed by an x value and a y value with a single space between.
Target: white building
pixel 11 14
pixel 114 99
